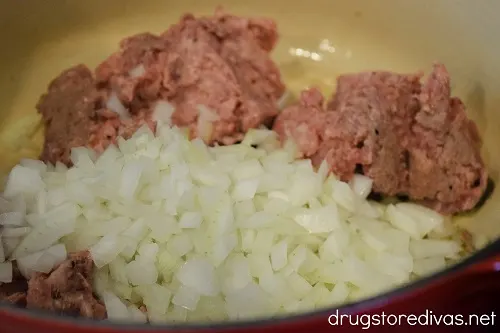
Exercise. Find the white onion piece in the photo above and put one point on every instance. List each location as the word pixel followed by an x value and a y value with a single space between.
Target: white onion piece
pixel 344 196
pixel 115 308
pixel 361 185
pixel 237 273
pixel 136 315
pixel 48 232
pixel 33 164
pixel 141 272
pixel 298 257
pixel 279 254
pixel 131 174
pixel 208 233
pixel 132 236
pixel 427 266
pixel 42 261
pixel 205 121
pixel 23 180
pixel 117 270
pixel 162 112
pixel 114 104
pixel 50 258
pixel 190 220
pixel 304 186
pixel 207 114
pixel 339 293
pixel 15 232
pixel 106 250
pixel 147 252
pixel 247 169
pixel 257 220
pixel 264 241
pixel 156 298
pixel 102 281
pixel 426 218
pixel 403 222
pixel 324 219
pixel 83 158
pixel 9 245
pixel 137 71
pixel 199 274
pixel 426 248
pixel 6 272
pixel 259 137
pixel 180 245
pixel 298 285
pixel 12 219
pixel 5 205
pixel 248 302
pixel 245 189
pixel 186 297
pixel 222 249
pixel 28 263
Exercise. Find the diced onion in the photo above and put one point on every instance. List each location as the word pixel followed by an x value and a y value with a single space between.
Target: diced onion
pixel 136 315
pixel 425 248
pixel 15 232
pixel 180 231
pixel 199 274
pixel 162 112
pixel 279 254
pixel 51 257
pixel 106 250
pixel 115 308
pixel 137 71
pixel 427 266
pixel 12 219
pixel 114 104
pixel 206 118
pixel 186 297
pixel 23 180
pixel 361 185
pixel 42 261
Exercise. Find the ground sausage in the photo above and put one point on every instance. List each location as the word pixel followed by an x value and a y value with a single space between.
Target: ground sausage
pixel 68 111
pixel 412 139
pixel 303 122
pixel 15 291
pixel 221 62
pixel 67 289
pixel 446 168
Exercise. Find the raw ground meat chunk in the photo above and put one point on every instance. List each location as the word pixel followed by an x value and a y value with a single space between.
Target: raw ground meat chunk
pixel 446 168
pixel 370 113
pixel 67 289
pixel 412 139
pixel 15 291
pixel 74 115
pixel 304 122
pixel 68 111
pixel 216 72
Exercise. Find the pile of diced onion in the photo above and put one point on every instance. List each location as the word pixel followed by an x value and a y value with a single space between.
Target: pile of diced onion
pixel 180 231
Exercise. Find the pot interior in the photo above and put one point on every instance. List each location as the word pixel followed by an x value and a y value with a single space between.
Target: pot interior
pixel 320 39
